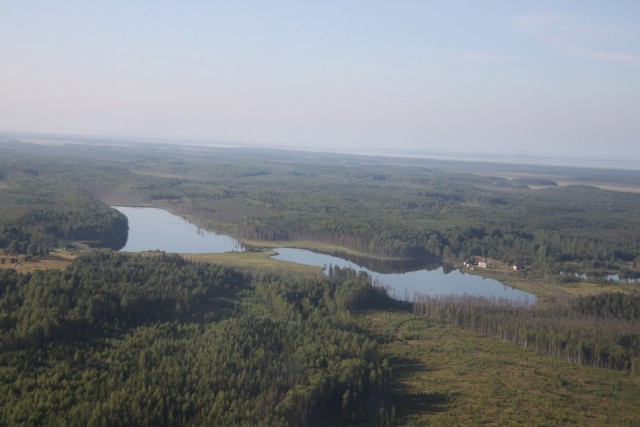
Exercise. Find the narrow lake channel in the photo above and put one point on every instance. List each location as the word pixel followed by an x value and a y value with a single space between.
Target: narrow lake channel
pixel 158 229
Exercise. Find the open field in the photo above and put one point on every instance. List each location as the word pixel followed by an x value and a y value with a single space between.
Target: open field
pixel 254 260
pixel 548 291
pixel 624 188
pixel 545 290
pixel 605 179
pixel 447 376
pixel 55 260
pixel 327 248
pixel 604 186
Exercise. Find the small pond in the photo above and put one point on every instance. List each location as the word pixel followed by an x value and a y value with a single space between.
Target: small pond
pixel 158 229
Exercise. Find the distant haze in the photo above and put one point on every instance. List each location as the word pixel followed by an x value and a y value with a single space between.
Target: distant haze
pixel 519 78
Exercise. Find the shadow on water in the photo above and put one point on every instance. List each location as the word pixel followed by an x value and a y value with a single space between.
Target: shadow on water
pixel 393 265
pixel 115 244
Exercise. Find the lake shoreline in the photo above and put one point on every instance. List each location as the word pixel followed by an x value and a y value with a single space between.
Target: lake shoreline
pixel 156 229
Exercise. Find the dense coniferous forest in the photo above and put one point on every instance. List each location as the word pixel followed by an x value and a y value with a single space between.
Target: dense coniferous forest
pixel 39 229
pixel 131 340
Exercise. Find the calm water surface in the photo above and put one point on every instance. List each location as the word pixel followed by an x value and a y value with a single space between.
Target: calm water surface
pixel 158 229
pixel 406 285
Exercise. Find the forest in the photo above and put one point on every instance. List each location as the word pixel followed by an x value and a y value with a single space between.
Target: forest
pixel 421 210
pixel 131 340
pixel 156 339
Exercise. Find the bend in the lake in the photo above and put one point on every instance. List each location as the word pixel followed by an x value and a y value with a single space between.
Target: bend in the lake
pixel 157 229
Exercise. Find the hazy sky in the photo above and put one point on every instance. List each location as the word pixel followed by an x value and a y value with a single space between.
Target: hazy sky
pixel 516 77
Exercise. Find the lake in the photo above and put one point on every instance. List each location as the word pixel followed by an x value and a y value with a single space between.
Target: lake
pixel 158 229
pixel 403 286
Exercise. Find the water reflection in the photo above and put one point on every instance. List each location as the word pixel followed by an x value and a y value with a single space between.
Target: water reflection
pixel 614 278
pixel 157 229
pixel 393 265
pixel 405 285
pixel 113 244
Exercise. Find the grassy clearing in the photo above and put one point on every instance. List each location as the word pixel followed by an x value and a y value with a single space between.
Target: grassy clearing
pixel 561 180
pixel 546 290
pixel 446 376
pixel 254 260
pixel 327 248
pixel 55 260
pixel 618 187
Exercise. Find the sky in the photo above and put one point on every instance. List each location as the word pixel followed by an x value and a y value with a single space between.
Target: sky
pixel 523 78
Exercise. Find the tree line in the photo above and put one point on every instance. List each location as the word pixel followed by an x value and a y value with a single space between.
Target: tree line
pixel 601 331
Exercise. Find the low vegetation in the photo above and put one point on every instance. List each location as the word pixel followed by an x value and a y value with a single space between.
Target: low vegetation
pixel 445 375
pixel 26 263
pixel 256 262
pixel 601 331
